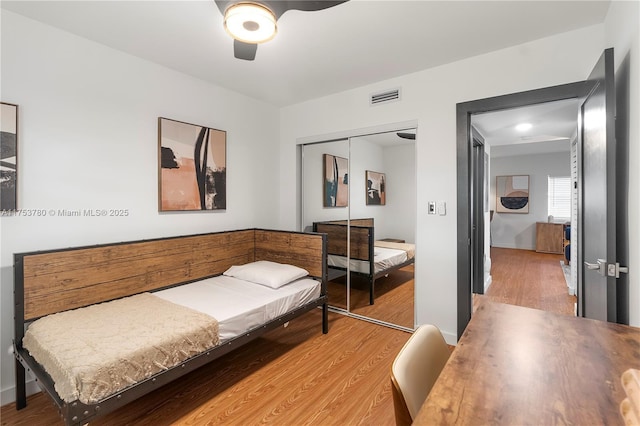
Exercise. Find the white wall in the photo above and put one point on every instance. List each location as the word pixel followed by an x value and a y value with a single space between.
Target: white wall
pixel 399 220
pixel 364 155
pixel 88 140
pixel 429 99
pixel 395 219
pixel 518 230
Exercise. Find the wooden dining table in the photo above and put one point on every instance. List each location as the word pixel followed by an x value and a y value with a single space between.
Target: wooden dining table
pixel 522 366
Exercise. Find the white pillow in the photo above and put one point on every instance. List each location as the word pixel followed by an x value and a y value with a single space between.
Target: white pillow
pixel 271 274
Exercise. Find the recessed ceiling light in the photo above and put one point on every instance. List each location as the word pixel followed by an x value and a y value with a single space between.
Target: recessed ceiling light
pixel 523 127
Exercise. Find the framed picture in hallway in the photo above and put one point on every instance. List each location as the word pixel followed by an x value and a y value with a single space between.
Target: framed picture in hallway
pixel 512 194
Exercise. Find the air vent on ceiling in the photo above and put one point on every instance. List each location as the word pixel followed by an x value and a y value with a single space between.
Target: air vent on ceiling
pixel 384 97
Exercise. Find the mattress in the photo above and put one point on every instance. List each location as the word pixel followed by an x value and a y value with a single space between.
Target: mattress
pixel 240 305
pixel 408 247
pixel 96 351
pixel 384 258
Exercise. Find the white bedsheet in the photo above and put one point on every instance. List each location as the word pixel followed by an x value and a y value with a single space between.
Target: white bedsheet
pixel 384 258
pixel 240 305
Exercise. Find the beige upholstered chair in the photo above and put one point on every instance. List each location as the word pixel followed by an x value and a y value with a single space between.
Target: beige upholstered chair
pixel 630 406
pixel 415 370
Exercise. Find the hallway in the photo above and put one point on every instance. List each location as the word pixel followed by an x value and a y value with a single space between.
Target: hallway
pixel 530 279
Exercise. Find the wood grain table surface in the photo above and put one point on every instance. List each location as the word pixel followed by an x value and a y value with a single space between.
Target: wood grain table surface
pixel 522 366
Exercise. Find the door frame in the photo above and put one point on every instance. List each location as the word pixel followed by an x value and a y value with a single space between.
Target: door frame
pixel 465 177
pixel 477 212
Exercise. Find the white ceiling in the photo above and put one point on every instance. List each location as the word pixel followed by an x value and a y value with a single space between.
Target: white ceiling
pixel 553 125
pixel 314 53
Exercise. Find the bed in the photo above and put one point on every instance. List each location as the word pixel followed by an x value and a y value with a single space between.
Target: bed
pixel 151 311
pixel 368 257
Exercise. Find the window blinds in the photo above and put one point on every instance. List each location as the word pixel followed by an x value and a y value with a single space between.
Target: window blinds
pixel 559 196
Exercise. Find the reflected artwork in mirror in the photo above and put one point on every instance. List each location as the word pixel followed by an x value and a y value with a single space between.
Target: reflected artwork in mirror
pixel 376 191
pixel 336 179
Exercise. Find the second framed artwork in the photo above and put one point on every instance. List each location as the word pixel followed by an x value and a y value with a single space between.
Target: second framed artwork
pixel 512 194
pixel 376 188
pixel 193 167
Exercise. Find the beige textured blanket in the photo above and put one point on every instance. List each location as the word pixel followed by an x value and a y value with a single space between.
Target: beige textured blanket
pixel 409 248
pixel 96 351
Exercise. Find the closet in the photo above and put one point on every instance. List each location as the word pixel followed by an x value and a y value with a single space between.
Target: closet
pixel 369 176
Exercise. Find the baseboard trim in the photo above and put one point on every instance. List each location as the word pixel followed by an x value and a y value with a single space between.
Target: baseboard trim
pixel 510 246
pixel 487 283
pixel 8 396
pixel 450 338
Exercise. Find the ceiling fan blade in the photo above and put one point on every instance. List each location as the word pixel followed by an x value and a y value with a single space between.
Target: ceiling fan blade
pixel 246 51
pixel 223 5
pixel 405 135
pixel 279 7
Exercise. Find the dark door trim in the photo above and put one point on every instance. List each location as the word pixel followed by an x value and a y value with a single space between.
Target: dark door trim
pixel 464 148
pixel 477 212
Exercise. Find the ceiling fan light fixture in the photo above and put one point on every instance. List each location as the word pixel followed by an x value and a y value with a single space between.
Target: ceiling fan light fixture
pixel 250 22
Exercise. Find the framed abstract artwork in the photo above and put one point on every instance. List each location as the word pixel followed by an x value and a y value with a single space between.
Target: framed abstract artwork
pixel 376 191
pixel 8 156
pixel 192 167
pixel 336 181
pixel 512 194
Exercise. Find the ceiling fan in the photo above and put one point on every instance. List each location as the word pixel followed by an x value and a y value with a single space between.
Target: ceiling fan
pixel 407 135
pixel 254 21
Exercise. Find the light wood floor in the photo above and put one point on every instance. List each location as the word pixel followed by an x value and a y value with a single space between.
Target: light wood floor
pixel 529 279
pixel 290 376
pixel 298 376
pixel 394 296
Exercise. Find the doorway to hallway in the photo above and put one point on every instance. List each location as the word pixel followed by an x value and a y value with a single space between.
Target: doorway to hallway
pixel 600 295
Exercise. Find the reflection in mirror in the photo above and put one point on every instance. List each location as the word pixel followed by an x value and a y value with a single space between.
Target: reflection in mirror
pixel 382 208
pixel 371 239
pixel 325 197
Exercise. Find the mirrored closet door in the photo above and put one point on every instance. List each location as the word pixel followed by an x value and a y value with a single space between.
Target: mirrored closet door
pixel 361 192
pixel 325 198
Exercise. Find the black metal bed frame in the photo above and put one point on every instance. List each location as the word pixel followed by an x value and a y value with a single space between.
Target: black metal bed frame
pixel 78 413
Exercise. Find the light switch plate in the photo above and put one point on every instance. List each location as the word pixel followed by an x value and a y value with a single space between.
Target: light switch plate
pixel 432 207
pixel 442 208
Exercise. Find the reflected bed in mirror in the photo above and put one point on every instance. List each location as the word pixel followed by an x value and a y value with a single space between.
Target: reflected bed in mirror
pixel 368 259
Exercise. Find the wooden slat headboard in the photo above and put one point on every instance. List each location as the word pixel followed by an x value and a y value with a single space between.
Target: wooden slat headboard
pixel 59 280
pixel 362 237
pixel 293 248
